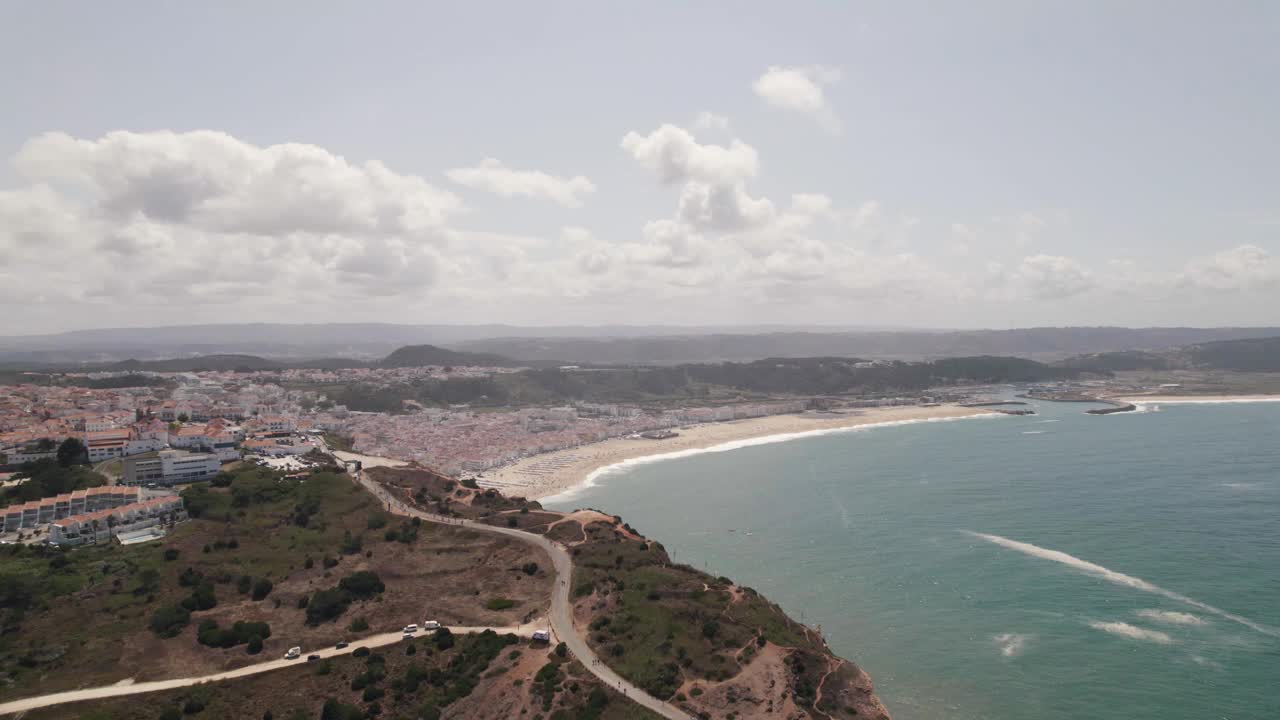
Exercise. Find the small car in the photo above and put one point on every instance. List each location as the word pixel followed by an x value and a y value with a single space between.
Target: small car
pixel 410 629
pixel 293 653
pixel 341 644
pixel 430 625
pixel 312 658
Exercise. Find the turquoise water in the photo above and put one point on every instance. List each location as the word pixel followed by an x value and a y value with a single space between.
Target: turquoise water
pixel 1177 513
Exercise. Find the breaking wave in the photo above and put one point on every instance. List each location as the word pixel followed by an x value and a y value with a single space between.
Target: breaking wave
pixel 1132 632
pixel 1119 579
pixel 1011 644
pixel 1172 618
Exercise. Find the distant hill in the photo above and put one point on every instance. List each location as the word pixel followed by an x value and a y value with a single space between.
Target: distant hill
pixel 425 355
pixel 1045 344
pixel 1245 355
pixel 200 362
pixel 1252 355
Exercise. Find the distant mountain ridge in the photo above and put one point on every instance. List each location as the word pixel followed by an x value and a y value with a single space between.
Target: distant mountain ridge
pixel 430 355
pixel 1046 344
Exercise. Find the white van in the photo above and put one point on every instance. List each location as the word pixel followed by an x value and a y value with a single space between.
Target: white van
pixel 430 625
pixel 293 654
pixel 410 629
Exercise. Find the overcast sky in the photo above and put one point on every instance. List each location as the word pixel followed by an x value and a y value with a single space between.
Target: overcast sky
pixel 983 164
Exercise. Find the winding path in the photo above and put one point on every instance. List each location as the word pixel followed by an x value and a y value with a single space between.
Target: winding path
pixel 560 616
pixel 561 612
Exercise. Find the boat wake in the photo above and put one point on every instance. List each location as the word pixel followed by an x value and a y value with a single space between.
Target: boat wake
pixel 1118 578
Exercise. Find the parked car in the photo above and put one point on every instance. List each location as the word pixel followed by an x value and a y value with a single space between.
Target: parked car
pixel 341 644
pixel 407 636
pixel 541 636
pixel 293 654
pixel 430 625
pixel 312 658
pixel 410 629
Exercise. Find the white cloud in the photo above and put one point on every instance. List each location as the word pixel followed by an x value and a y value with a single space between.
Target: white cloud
pixel 800 89
pixel 212 181
pixel 710 121
pixel 1247 267
pixel 492 176
pixel 1052 277
pixel 674 154
pixel 723 208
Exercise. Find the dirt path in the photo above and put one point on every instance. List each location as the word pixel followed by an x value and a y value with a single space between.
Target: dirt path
pixel 561 613
pixel 132 688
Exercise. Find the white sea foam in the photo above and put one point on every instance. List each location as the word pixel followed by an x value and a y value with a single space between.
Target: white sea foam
pixel 1032 432
pixel 1240 485
pixel 1172 618
pixel 1132 632
pixel 1212 401
pixel 1011 644
pixel 1119 578
pixel 590 480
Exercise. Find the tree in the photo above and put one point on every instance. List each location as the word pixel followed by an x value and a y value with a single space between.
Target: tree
pixel 183 417
pixel 168 621
pixel 72 452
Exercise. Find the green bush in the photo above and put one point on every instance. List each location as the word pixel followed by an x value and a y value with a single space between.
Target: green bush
pixel 261 589
pixel 500 603
pixel 169 620
pixel 326 605
pixel 358 625
pixel 363 584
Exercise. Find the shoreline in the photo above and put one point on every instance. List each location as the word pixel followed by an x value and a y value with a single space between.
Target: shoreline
pixel 561 474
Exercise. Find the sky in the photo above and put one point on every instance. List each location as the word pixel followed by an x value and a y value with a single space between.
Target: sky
pixel 978 164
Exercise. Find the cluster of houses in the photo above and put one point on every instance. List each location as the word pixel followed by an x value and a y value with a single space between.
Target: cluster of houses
pixel 96 514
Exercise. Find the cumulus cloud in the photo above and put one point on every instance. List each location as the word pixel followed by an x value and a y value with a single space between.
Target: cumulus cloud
pixel 676 156
pixel 214 182
pixel 710 121
pixel 800 89
pixel 492 176
pixel 1052 277
pixel 203 217
pixel 723 208
pixel 1247 267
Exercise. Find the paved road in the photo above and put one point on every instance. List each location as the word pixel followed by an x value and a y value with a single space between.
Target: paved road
pixel 561 613
pixel 110 691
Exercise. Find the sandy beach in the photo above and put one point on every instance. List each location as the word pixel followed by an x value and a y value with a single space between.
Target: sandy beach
pixel 548 474
pixel 1189 399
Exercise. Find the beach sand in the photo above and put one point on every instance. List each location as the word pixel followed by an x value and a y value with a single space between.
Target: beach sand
pixel 553 473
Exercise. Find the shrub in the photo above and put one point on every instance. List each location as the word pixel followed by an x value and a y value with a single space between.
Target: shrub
pixel 244 584
pixel 358 625
pixel 334 710
pixel 512 522
pixel 261 589
pixel 255 645
pixel 171 713
pixel 363 584
pixel 562 650
pixel 170 554
pixel 376 521
pixel 360 652
pixel 529 568
pixel 500 603
pixel 326 605
pixel 168 621
pixel 443 639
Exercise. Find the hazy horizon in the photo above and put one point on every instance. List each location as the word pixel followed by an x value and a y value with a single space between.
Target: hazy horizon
pixel 898 165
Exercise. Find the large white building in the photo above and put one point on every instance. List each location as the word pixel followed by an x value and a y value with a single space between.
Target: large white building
pixel 170 467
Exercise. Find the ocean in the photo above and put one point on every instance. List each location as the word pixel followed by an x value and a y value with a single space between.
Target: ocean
pixel 1047 567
